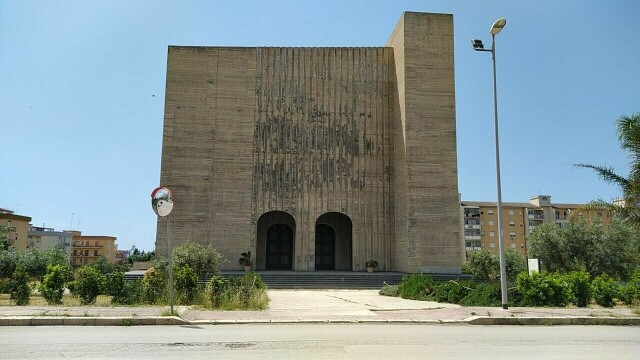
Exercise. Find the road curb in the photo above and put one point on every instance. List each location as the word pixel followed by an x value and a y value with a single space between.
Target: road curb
pixel 547 321
pixel 90 321
pixel 174 320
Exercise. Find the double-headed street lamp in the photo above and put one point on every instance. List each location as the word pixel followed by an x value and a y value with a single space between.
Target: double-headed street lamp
pixel 478 46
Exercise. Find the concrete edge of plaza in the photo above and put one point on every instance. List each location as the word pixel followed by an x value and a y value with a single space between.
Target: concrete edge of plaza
pixel 174 320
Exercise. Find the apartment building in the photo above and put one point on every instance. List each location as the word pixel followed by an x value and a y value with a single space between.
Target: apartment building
pixel 86 249
pixel 18 228
pixel 43 238
pixel 480 219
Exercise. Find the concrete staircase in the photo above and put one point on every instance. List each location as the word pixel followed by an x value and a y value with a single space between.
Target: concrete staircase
pixel 325 279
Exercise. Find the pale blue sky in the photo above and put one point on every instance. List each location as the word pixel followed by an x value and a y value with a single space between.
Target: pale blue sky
pixel 82 94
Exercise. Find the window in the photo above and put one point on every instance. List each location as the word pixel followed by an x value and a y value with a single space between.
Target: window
pixel 492 245
pixel 511 212
pixel 492 234
pixel 491 222
pixel 513 233
pixel 512 223
pixel 490 212
pixel 513 245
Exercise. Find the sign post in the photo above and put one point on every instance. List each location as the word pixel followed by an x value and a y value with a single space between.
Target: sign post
pixel 162 205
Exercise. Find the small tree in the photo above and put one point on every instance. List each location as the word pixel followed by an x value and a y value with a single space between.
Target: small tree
pixel 204 260
pixel 605 290
pixel 20 289
pixel 576 247
pixel 154 286
pixel 580 283
pixel 52 286
pixel 186 284
pixel 8 262
pixel 515 263
pixel 88 284
pixel 483 265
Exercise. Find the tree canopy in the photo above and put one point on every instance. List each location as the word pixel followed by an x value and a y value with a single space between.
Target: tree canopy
pixel 628 129
pixel 577 246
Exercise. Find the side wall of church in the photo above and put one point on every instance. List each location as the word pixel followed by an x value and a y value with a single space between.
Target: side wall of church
pixel 425 165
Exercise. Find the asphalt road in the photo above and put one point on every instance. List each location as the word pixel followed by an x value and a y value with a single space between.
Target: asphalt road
pixel 321 341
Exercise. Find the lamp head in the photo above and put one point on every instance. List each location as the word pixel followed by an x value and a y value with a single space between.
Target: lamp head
pixel 477 44
pixel 497 26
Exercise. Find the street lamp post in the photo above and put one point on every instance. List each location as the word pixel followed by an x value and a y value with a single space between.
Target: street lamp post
pixel 478 46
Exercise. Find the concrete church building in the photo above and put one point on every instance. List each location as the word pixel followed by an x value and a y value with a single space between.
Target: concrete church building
pixel 317 158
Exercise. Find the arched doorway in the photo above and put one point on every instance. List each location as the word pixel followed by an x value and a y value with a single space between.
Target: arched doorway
pixel 325 247
pixel 333 242
pixel 279 247
pixel 275 235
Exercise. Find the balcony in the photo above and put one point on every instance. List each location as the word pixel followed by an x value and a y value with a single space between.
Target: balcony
pixel 472 227
pixel 85 246
pixel 472 237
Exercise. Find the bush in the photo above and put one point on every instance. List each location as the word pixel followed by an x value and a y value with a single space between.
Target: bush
pixel 186 284
pixel 20 289
pixel 580 284
pixel 8 262
pixel 605 290
pixel 122 292
pixel 204 260
pixel 484 294
pixel 5 286
pixel 630 293
pixel 88 285
pixel 133 292
pixel 52 287
pixel 544 289
pixel 390 290
pixel 483 265
pixel 216 287
pixel 154 287
pixel 451 291
pixel 241 292
pixel 416 287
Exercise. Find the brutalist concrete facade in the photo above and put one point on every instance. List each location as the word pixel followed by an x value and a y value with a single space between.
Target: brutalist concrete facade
pixel 317 158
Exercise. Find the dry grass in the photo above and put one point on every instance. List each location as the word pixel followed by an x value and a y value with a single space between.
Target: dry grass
pixel 67 300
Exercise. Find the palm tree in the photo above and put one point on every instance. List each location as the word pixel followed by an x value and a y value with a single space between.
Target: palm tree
pixel 629 138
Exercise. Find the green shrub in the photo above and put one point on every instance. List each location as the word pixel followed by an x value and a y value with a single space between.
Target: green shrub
pixel 390 290
pixel 630 292
pixel 133 291
pixel 483 265
pixel 216 287
pixel 416 286
pixel 20 289
pixel 544 289
pixel 204 260
pixel 451 291
pixel 73 288
pixel 605 290
pixel 580 284
pixel 52 287
pixel 186 284
pixel 122 292
pixel 8 262
pixel 240 292
pixel 484 294
pixel 5 286
pixel 88 285
pixel 155 287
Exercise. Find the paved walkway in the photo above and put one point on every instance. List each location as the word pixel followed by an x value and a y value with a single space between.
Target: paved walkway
pixel 330 306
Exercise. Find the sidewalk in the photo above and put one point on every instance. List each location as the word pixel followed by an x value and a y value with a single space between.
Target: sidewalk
pixel 319 306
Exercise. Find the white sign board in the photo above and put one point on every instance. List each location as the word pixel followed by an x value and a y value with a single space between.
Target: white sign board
pixel 534 265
